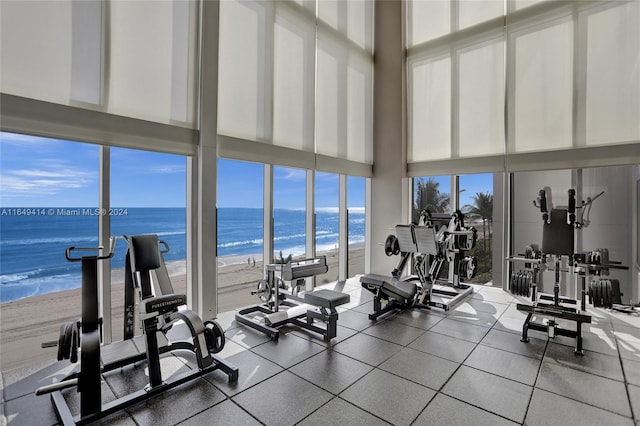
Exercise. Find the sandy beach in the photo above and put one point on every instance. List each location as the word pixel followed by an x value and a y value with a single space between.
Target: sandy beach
pixel 26 323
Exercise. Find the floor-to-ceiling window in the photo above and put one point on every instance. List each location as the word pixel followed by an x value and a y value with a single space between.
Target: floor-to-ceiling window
pixel 240 232
pixel 48 203
pixel 327 223
pixel 289 212
pixel 147 196
pixel 356 202
pixel 475 198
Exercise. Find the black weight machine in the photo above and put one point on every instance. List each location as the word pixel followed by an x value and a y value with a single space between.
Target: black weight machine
pixel 145 269
pixel 430 247
pixel 558 236
pixel 284 304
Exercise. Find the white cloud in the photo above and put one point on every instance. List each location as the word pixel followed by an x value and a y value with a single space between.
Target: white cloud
pixel 49 180
pixel 168 168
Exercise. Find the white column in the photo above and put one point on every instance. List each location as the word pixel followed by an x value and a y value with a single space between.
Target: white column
pixel 104 234
pixel 343 245
pixel 205 267
pixel 389 202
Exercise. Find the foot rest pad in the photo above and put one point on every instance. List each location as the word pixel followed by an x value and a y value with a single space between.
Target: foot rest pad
pixel 326 298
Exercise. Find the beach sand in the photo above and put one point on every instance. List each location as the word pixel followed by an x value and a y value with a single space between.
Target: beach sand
pixel 26 323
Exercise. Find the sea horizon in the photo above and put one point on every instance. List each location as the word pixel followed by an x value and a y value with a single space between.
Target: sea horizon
pixel 33 240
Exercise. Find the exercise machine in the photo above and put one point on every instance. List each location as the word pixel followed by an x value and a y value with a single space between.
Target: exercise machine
pixel 558 236
pixel 158 314
pixel 429 246
pixel 284 304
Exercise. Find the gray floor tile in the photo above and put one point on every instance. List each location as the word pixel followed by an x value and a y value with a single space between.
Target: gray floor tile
pixel 483 319
pixel 331 370
pixel 443 346
pixel 548 409
pixel 394 331
pixel 601 341
pixel 513 325
pixel 460 330
pixel 132 378
pixel 225 413
pixel 288 350
pixel 246 336
pixel 23 381
pixel 631 371
pixel 252 369
pixel 480 305
pixel 30 410
pixel 367 349
pixel 590 362
pixel 628 339
pixel 389 397
pixel 284 399
pixel 227 321
pixel 506 364
pixel 493 295
pixel 492 393
pixel 634 397
pixel 354 320
pixel 446 410
pixel 342 333
pixel 339 412
pixel 178 404
pixel 419 318
pixel 513 312
pixel 509 342
pixel 420 367
pixel 619 318
pixel 611 395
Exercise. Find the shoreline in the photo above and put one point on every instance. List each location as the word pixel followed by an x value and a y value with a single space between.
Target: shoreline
pixel 26 323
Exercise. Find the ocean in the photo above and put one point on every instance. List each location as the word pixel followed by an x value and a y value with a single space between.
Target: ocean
pixel 32 246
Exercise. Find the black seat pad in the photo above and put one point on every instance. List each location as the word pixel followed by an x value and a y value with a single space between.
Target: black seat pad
pixel 326 298
pixel 390 286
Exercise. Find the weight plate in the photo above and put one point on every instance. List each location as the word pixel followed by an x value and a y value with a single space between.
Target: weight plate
pixel 214 335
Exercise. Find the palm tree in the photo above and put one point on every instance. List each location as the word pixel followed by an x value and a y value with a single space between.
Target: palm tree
pixel 482 207
pixel 429 197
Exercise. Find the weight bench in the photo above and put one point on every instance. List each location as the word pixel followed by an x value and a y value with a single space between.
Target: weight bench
pixel 394 293
pixel 300 309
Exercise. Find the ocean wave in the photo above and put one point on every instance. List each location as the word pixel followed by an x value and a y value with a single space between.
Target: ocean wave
pixel 54 240
pixel 41 285
pixel 241 243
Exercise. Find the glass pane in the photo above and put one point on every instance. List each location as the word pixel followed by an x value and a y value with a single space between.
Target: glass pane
pixel 613 75
pixel 429 110
pixel 148 196
pixel 426 20
pixel 476 202
pixel 36 52
pixel 153 60
pixel 544 88
pixel 473 12
pixel 481 103
pixel 602 227
pixel 293 83
pixel 240 232
pixel 327 224
pixel 289 212
pixel 431 193
pixel 48 197
pixel 241 81
pixel 356 199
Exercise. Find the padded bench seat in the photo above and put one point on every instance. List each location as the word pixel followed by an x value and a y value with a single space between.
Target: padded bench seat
pixel 326 298
pixel 391 286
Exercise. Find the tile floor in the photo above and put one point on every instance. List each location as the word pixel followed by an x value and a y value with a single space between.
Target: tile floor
pixel 463 367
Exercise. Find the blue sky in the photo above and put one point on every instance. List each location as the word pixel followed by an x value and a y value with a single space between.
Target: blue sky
pixel 40 172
